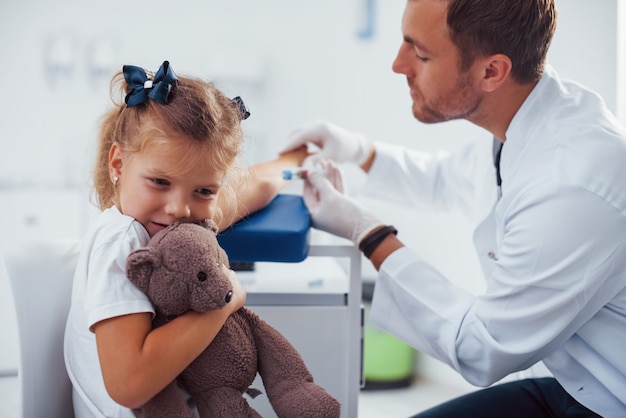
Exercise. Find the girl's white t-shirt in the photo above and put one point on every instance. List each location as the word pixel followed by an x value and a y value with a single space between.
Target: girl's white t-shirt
pixel 100 291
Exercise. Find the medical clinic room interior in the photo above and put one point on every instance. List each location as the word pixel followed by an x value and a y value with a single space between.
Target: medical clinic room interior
pixel 292 61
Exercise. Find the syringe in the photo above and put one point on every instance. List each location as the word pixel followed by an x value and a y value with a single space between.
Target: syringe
pixel 299 173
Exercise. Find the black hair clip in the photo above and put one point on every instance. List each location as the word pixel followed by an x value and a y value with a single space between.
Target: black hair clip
pixel 145 84
pixel 244 113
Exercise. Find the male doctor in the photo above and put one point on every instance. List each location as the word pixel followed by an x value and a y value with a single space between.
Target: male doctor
pixel 552 241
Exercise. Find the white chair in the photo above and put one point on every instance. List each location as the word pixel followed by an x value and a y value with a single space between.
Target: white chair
pixel 40 274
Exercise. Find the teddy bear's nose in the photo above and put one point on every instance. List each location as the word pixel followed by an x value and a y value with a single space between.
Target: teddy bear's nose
pixel 229 296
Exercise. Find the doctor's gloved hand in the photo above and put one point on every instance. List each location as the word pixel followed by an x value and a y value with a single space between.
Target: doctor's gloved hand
pixel 333 211
pixel 335 143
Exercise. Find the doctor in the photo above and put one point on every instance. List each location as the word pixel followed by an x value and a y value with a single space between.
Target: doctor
pixel 553 235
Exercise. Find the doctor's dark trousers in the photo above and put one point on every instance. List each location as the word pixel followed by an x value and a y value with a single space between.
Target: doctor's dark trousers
pixel 528 398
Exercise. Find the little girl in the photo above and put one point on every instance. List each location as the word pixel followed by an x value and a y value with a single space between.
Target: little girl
pixel 166 153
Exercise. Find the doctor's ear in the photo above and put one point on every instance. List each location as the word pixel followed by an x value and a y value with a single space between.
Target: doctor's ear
pixel 496 70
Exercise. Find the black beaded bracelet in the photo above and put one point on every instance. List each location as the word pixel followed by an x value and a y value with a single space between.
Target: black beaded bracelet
pixel 372 241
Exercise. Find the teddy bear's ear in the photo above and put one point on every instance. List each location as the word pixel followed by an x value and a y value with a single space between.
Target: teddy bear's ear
pixel 209 224
pixel 140 265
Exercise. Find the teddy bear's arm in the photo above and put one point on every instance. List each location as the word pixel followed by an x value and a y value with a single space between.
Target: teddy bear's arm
pixel 288 382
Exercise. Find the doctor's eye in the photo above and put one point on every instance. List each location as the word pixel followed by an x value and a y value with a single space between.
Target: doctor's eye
pixel 201 276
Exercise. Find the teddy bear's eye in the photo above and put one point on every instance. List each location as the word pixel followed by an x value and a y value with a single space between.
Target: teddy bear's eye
pixel 201 276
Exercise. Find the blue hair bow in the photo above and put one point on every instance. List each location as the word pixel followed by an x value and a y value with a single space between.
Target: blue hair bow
pixel 156 86
pixel 244 113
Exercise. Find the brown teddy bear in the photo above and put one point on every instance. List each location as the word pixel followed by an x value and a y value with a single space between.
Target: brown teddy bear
pixel 181 270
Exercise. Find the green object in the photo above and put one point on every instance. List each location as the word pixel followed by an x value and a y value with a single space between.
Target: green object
pixel 388 362
pixel 386 357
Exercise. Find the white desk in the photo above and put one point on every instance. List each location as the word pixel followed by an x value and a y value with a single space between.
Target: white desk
pixel 316 305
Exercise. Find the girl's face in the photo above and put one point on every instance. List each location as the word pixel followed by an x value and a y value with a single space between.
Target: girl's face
pixel 156 190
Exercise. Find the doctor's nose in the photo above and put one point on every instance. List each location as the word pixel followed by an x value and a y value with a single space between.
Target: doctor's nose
pixel 400 65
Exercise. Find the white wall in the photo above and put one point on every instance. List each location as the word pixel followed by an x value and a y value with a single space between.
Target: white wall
pixel 291 60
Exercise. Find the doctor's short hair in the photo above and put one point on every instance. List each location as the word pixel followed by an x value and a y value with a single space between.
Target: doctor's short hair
pixel 196 109
pixel 519 29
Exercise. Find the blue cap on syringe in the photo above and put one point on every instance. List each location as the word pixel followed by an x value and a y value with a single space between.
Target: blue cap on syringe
pixel 300 173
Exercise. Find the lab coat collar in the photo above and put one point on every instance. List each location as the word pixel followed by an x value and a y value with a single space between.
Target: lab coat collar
pixel 528 119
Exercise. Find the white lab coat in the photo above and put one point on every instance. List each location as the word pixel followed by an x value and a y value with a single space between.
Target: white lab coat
pixel 552 250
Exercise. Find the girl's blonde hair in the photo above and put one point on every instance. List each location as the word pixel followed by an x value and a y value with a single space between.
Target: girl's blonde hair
pixel 195 109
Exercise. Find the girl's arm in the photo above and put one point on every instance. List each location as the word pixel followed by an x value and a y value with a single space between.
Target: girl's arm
pixel 257 186
pixel 137 361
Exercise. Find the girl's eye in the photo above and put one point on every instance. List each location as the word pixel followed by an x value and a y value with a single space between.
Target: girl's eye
pixel 161 182
pixel 205 192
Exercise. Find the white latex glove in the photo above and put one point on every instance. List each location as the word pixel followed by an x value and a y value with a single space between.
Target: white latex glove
pixel 331 210
pixel 335 143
